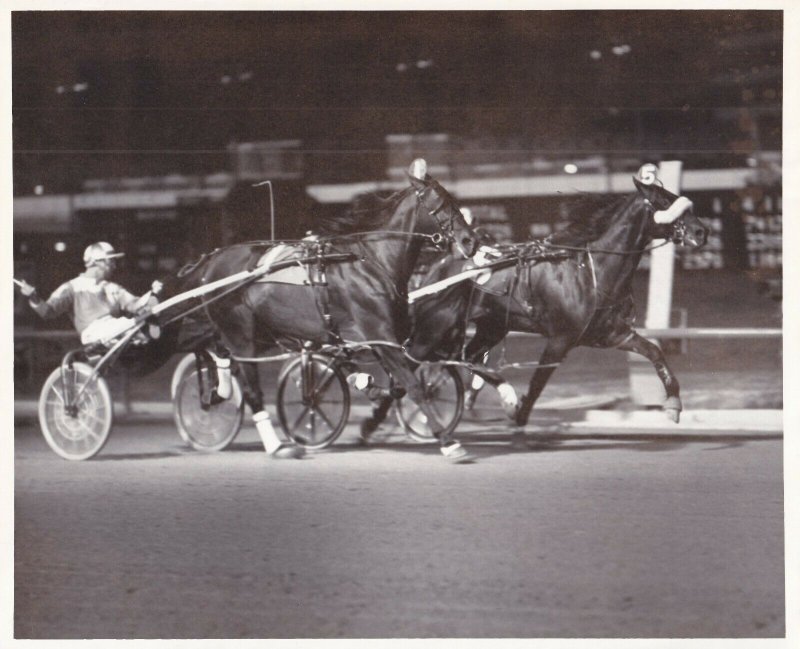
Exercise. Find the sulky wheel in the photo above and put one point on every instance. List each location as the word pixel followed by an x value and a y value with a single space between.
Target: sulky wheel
pixel 75 412
pixel 443 394
pixel 186 363
pixel 313 401
pixel 206 427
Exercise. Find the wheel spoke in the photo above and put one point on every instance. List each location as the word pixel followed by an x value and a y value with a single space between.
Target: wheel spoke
pixel 436 412
pixel 302 414
pixel 323 385
pixel 439 379
pixel 60 396
pixel 324 416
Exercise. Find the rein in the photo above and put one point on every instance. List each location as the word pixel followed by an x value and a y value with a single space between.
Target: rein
pixel 604 250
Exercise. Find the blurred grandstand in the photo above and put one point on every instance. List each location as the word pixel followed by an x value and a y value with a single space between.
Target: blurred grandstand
pixel 150 129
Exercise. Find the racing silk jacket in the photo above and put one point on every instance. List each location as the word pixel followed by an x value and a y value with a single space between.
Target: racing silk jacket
pixel 89 299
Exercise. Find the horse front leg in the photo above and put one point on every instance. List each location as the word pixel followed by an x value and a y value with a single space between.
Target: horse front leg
pixel 554 352
pixel 400 370
pixel 653 353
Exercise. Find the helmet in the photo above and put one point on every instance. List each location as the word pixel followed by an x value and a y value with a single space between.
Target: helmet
pixel 99 251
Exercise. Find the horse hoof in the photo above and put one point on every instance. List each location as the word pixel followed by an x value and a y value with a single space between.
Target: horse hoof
pixel 519 440
pixel 456 453
pixel 288 452
pixel 673 414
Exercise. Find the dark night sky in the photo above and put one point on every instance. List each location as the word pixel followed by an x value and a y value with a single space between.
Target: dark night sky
pixel 155 79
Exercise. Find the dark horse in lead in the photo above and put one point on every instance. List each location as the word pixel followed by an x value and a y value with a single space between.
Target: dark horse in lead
pixel 363 300
pixel 574 289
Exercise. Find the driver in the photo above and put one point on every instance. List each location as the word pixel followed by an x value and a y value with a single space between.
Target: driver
pixel 98 306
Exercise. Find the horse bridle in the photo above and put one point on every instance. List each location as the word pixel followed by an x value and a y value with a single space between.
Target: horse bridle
pixel 677 233
pixel 446 226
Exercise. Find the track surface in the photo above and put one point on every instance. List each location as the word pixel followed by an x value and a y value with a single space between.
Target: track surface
pixel 597 535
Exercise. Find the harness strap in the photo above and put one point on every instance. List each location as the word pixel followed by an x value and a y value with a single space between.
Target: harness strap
pixel 320 287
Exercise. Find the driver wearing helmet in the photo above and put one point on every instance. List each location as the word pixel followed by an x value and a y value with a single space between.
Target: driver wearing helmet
pixel 98 306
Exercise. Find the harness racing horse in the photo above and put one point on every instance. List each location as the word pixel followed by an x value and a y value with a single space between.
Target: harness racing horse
pixel 363 300
pixel 574 288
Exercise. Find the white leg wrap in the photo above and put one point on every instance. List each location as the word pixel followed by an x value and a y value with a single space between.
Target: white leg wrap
pixel 453 449
pixel 477 382
pixel 360 380
pixel 508 395
pixel 266 432
pixel 224 384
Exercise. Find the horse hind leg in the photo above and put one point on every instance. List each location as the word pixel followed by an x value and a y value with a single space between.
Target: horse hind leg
pixel 652 352
pixel 477 351
pixel 238 334
pixel 382 399
pixel 275 444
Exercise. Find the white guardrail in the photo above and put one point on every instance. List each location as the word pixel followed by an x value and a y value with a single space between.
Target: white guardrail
pixel 692 332
pixel 675 333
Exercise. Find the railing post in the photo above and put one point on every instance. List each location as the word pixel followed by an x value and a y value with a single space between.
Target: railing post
pixel 646 388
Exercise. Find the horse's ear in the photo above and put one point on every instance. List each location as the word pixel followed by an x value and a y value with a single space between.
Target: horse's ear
pixel 418 169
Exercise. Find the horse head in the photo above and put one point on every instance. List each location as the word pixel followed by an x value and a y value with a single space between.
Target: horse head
pixel 442 211
pixel 671 217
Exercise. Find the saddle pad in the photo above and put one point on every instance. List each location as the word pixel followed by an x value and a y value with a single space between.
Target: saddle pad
pixel 297 274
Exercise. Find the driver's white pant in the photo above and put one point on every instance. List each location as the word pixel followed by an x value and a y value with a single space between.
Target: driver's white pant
pixel 105 329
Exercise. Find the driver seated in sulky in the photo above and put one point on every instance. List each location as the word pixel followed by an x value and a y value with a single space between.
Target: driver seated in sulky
pixel 99 308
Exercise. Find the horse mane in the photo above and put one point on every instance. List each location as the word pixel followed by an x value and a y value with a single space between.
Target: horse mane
pixel 367 212
pixel 589 217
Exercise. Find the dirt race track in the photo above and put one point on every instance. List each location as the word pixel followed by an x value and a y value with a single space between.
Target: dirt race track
pixel 591 535
pixel 613 534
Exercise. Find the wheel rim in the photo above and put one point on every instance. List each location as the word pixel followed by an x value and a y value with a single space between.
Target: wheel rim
pixel 207 429
pixel 442 395
pixel 315 419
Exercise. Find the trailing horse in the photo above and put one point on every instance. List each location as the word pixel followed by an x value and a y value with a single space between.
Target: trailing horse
pixel 574 288
pixel 361 298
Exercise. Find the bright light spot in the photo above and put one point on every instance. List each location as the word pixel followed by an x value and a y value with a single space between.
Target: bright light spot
pixel 401 67
pixel 426 63
pixel 38 190
pixel 61 90
pixel 752 162
pixel 225 80
pixel 245 76
pixel 571 168
pixel 595 55
pixel 80 87
pixel 621 50
pixel 60 246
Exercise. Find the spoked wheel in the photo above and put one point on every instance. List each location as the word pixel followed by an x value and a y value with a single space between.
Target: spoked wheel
pixel 75 414
pixel 313 401
pixel 443 396
pixel 210 428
